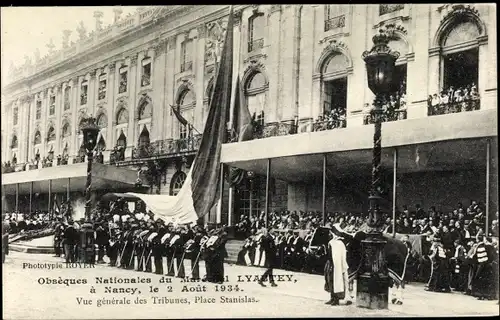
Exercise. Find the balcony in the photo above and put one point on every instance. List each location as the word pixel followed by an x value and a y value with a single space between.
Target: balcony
pixel 255 45
pixel 187 66
pixel 334 23
pixel 393 109
pixel 454 101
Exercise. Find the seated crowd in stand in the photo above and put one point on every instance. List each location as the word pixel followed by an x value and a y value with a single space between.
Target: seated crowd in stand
pixel 35 220
pixel 463 227
pixel 454 100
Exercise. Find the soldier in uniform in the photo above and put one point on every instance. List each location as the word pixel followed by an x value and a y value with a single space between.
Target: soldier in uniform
pixel 70 239
pixel 458 260
pixel 208 254
pixel 288 252
pixel 195 252
pixel 102 241
pixel 58 232
pixel 128 246
pixel 220 254
pixel 113 247
pixel 172 251
pixel 157 249
pixel 149 242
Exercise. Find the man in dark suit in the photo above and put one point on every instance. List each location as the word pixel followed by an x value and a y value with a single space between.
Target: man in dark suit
pixel 269 247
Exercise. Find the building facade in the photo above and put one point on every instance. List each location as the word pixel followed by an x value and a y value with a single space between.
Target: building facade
pixel 300 66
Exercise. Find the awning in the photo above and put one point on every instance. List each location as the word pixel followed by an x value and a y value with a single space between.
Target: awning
pixel 104 177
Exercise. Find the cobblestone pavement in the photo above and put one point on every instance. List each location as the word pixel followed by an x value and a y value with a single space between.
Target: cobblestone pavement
pixel 25 298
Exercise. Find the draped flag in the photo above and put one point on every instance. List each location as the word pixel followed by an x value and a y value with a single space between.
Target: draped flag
pixel 200 190
pixel 243 126
pixel 179 116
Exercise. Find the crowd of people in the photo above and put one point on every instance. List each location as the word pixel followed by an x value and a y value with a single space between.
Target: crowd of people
pixel 459 233
pixel 135 241
pixel 393 109
pixel 19 222
pixel 454 100
pixel 333 119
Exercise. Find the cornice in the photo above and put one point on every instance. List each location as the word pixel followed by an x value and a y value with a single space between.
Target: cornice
pixel 113 43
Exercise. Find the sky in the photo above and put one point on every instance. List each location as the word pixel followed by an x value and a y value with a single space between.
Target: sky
pixel 26 28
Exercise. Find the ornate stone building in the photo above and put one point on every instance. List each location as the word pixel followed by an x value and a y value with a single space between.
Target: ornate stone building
pixel 297 63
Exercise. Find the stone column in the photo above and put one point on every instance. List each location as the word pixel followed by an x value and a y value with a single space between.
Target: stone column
pixel 26 128
pixel 31 124
pixel 236 62
pixel 170 87
pixel 275 19
pixel 159 75
pixel 44 121
pixel 135 81
pixel 484 65
pixel 199 71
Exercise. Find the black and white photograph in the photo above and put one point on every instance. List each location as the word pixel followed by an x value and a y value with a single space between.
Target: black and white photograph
pixel 249 161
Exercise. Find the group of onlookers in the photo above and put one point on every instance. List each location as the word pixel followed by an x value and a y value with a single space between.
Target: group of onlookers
pixel 453 100
pixel 333 119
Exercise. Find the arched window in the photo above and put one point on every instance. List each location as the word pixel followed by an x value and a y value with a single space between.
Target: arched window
pixel 51 134
pixel 255 92
pixel 66 130
pixel 186 98
pixel 256 31
pixel 144 137
pixel 334 90
pixel 177 181
pixel 145 110
pixel 101 145
pixel 14 144
pixel 122 116
pixel 122 140
pixel 460 66
pixel 102 121
pixel 38 137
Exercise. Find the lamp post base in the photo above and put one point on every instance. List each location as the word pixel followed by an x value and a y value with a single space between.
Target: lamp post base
pixel 87 249
pixel 373 283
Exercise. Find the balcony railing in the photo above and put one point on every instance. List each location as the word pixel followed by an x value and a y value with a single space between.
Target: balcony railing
pixel 167 147
pixel 186 66
pixel 437 108
pixel 336 22
pixel 387 116
pixel 256 44
pixel 328 124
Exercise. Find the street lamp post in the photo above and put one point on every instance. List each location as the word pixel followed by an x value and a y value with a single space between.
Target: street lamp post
pixel 90 132
pixel 373 280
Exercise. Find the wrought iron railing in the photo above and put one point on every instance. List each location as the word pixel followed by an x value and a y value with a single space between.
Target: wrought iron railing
pixel 336 22
pixel 186 66
pixel 453 107
pixel 256 44
pixel 329 124
pixel 167 147
pixel 387 116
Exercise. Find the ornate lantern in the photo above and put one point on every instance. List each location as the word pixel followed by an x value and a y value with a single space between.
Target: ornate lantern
pixel 380 64
pixel 90 132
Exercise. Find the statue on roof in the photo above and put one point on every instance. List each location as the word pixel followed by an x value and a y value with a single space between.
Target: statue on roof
pixel 98 20
pixel 37 55
pixel 118 12
pixel 66 34
pixel 51 46
pixel 82 31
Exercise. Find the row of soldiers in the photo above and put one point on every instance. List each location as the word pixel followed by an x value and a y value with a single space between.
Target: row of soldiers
pixel 293 252
pixel 152 246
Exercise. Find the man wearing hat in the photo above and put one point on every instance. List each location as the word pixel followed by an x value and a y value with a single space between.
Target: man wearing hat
pixel 269 248
pixel 336 268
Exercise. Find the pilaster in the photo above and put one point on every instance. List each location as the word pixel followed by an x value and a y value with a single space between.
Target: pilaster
pixel 92 93
pixel 113 75
pixel 159 77
pixel 134 82
pixel 170 87
pixel 275 19
pixel 306 61
pixel 199 70
pixel 57 125
pixel 287 77
pixel 75 103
